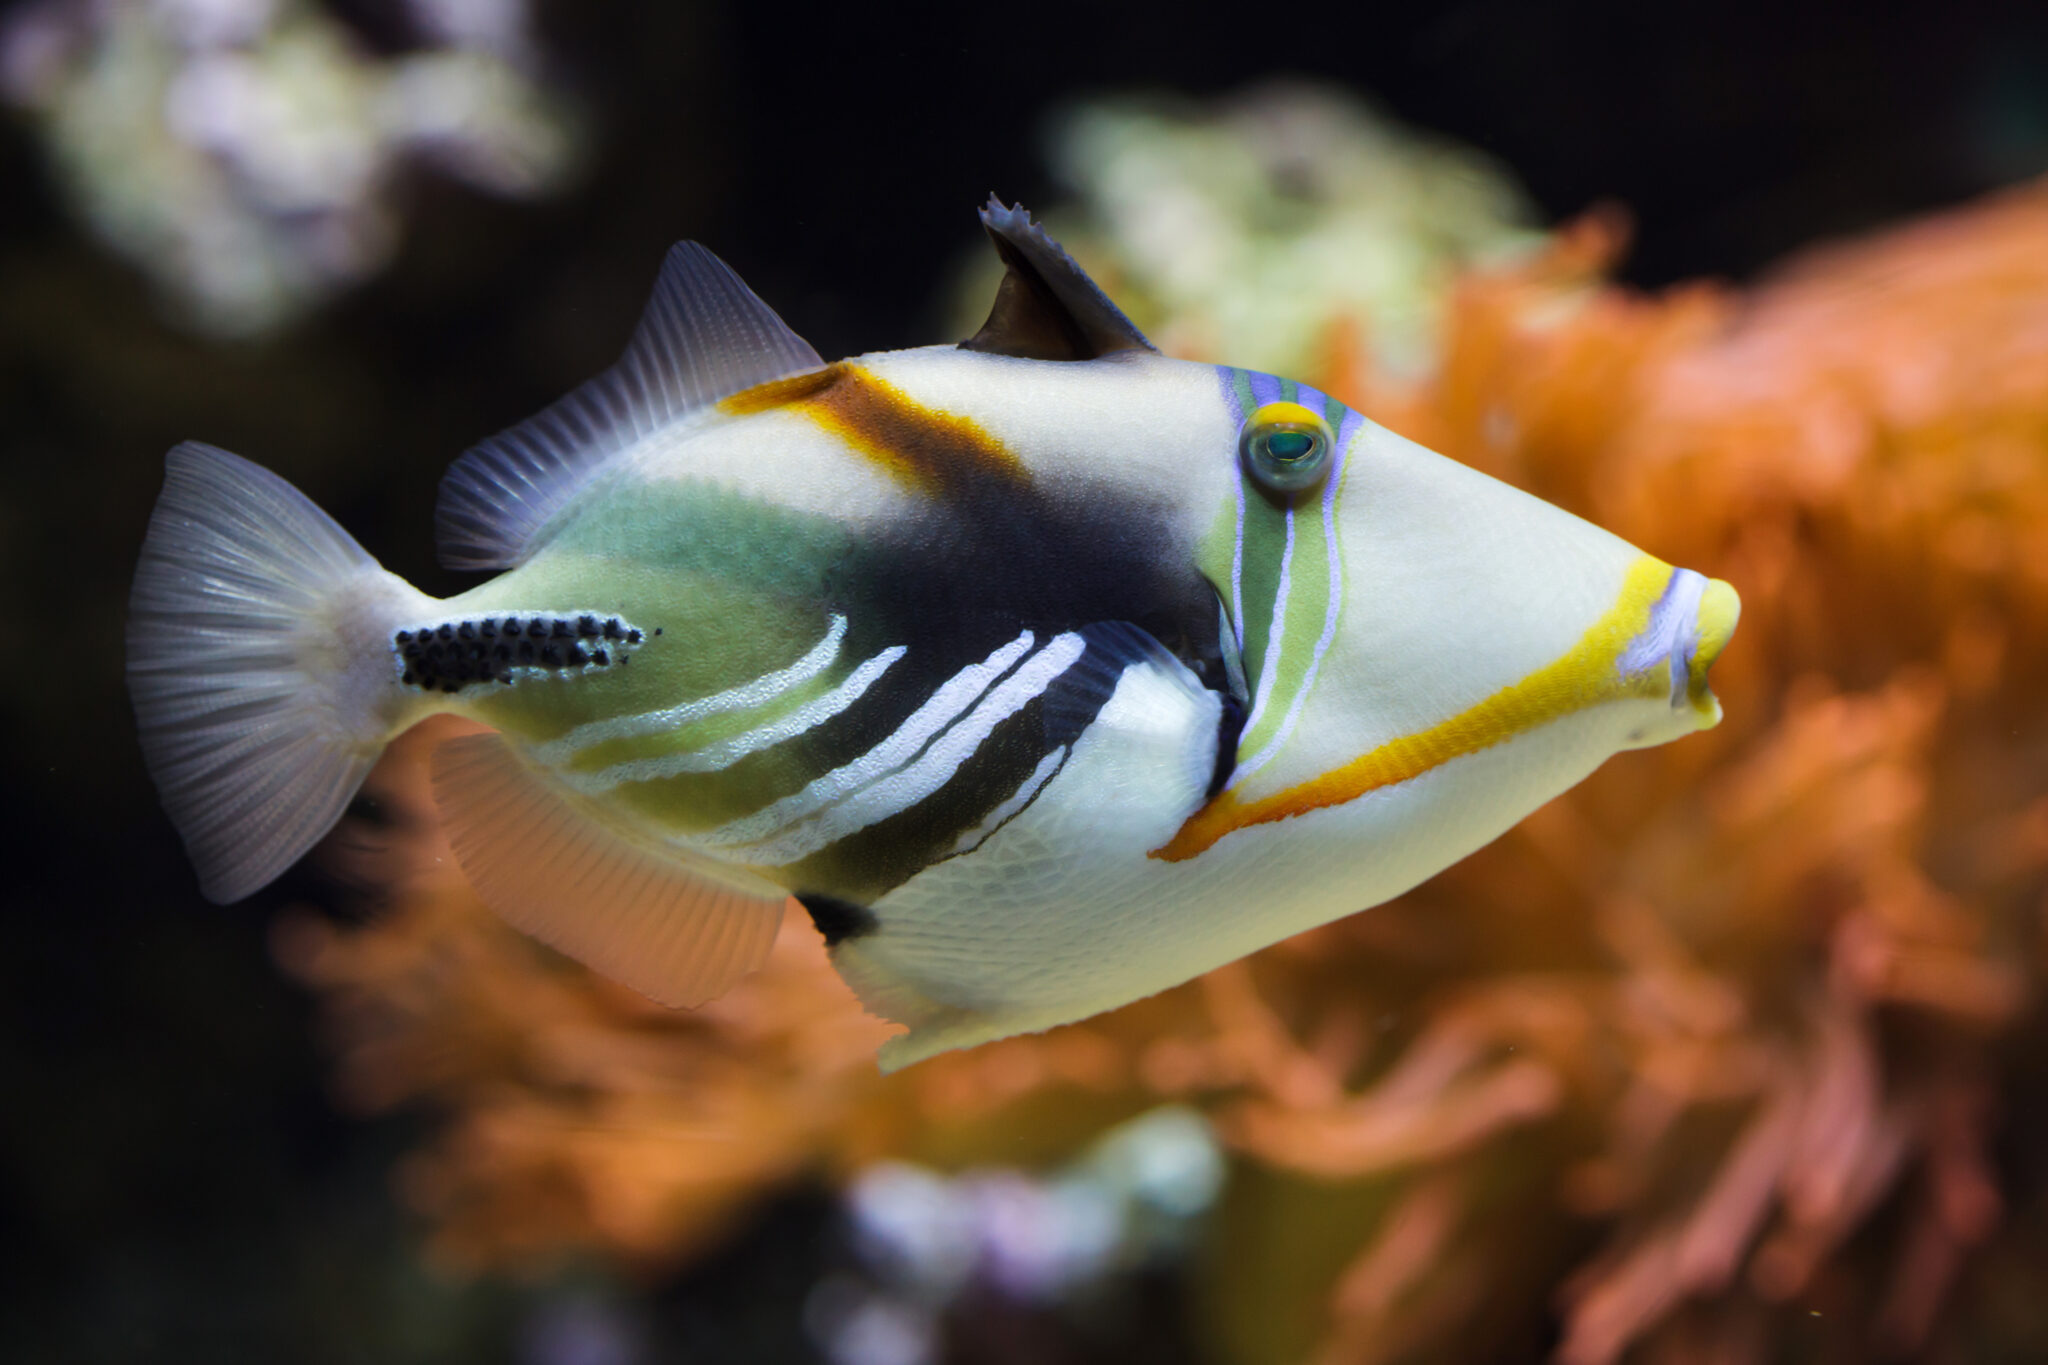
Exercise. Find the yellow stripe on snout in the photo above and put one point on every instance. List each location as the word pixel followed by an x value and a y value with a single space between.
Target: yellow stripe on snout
pixel 1583 676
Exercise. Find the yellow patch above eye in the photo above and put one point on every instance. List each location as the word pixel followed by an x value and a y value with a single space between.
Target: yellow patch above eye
pixel 1583 676
pixel 1290 414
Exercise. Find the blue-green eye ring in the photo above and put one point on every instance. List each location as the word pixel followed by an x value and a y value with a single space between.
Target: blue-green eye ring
pixel 1286 447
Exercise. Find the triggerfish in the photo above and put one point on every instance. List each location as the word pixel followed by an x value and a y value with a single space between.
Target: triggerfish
pixel 1043 670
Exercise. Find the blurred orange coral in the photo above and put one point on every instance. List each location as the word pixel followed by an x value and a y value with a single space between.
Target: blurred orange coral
pixel 1704 1061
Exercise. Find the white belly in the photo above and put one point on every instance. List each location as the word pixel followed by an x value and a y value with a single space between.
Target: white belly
pixel 1062 914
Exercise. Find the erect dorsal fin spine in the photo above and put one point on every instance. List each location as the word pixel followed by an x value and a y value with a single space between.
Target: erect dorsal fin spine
pixel 1046 307
pixel 704 335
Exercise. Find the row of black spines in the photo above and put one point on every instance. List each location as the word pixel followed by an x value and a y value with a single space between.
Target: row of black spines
pixel 540 628
pixel 434 656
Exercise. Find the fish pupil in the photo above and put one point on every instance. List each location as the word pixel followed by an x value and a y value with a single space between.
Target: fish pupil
pixel 1290 446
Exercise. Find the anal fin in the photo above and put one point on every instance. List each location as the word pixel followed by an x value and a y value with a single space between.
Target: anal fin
pixel 674 928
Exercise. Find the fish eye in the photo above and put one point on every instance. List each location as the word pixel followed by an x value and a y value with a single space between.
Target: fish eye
pixel 1286 447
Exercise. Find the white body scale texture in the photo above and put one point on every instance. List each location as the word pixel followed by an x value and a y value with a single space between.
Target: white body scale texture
pixel 1456 586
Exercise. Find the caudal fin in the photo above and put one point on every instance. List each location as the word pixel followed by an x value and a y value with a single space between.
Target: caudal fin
pixel 254 661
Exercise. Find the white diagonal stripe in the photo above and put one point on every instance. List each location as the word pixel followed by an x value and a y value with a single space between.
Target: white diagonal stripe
pixel 759 692
pixel 901 790
pixel 726 752
pixel 949 700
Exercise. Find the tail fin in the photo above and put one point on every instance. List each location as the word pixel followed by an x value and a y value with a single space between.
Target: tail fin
pixel 254 661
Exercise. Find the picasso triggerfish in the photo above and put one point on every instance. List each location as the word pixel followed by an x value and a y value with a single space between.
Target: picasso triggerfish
pixel 1045 671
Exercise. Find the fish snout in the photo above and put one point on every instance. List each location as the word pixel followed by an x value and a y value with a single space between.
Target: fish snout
pixel 1688 628
pixel 1713 624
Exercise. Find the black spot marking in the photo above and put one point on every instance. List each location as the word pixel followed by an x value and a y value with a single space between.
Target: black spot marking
pixel 453 655
pixel 956 579
pixel 838 920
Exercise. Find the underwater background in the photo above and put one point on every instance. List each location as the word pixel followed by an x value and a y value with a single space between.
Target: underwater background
pixel 1733 1054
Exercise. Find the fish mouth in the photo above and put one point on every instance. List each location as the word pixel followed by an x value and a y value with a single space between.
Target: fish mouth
pixel 1713 625
pixel 1688 627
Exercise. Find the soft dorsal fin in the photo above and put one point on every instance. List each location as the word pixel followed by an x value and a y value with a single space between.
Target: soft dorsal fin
pixel 1046 307
pixel 676 929
pixel 704 335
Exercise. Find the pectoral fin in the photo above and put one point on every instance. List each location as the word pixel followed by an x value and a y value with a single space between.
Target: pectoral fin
pixel 676 929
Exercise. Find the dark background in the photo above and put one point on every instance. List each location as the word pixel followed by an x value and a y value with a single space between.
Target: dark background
pixel 173 1182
